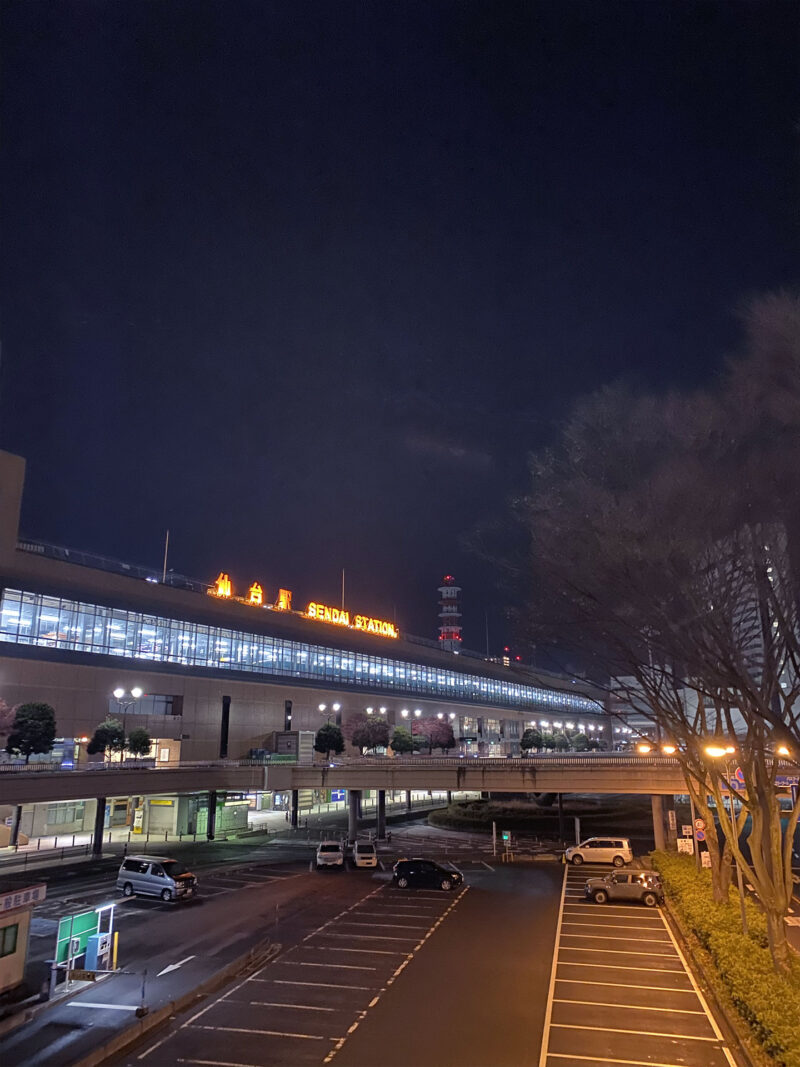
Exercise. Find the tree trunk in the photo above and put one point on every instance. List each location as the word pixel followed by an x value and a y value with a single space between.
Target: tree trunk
pixel 776 936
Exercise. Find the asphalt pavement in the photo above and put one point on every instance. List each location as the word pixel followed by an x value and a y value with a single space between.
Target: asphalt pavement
pixel 621 991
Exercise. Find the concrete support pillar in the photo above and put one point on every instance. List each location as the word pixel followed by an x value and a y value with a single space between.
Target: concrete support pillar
pixel 408 800
pixel 449 796
pixel 658 821
pixel 561 830
pixel 211 825
pixel 99 826
pixel 671 823
pixel 294 809
pixel 353 797
pixel 358 804
pixel 381 826
pixel 15 825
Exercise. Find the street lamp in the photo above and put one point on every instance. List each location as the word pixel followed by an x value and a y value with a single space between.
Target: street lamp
pixel 716 752
pixel 123 704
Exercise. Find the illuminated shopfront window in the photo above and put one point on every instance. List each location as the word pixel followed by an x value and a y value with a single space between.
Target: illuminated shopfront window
pixel 53 622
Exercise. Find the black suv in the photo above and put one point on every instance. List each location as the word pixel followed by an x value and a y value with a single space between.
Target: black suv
pixel 424 874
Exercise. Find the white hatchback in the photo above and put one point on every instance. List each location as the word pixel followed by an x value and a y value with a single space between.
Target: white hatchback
pixel 364 854
pixel 616 850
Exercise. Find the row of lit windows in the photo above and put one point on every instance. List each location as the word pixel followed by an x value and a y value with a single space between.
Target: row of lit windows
pixel 33 619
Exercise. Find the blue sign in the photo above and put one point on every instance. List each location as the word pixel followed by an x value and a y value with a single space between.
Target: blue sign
pixel 700 835
pixel 337 794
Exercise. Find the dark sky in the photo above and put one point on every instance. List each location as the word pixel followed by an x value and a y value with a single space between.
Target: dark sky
pixel 303 282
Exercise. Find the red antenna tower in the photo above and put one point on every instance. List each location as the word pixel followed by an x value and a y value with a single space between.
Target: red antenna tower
pixel 449 614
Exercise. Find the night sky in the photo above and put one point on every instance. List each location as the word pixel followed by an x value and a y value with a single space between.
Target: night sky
pixel 304 282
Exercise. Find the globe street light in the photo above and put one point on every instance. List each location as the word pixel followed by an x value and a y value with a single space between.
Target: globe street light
pixel 716 752
pixel 123 704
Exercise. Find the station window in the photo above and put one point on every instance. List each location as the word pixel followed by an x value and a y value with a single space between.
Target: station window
pixel 8 940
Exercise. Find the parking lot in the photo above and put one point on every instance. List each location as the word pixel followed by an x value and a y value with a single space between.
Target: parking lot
pixel 621 992
pixel 303 1005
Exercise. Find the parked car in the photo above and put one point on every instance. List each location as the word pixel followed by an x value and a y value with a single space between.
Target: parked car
pixel 151 876
pixel 364 854
pixel 330 854
pixel 424 874
pixel 616 850
pixel 643 887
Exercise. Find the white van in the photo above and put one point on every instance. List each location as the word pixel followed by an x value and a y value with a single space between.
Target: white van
pixel 364 854
pixel 616 850
pixel 151 876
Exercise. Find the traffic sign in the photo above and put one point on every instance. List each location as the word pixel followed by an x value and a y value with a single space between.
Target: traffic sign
pixel 686 831
pixel 699 824
pixel 700 835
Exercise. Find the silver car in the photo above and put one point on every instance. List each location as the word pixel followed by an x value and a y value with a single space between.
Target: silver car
pixel 639 887
pixel 151 876
pixel 616 850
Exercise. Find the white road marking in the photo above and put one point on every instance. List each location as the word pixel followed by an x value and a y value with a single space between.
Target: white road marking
pixel 213 1063
pixel 382 926
pixel 265 1033
pixel 365 951
pixel 618 966
pixel 622 952
pixel 175 966
pixel 318 985
pixel 549 1010
pixel 367 937
pixel 611 937
pixel 639 1033
pixel 598 1059
pixel 611 926
pixel 291 1007
pixel 330 966
pixel 625 985
pixel 94 1004
pixel 629 1007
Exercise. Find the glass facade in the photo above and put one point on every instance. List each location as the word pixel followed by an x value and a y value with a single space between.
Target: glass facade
pixel 54 622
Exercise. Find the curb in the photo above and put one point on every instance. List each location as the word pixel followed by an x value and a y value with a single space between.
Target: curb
pixel 130 1034
pixel 738 1034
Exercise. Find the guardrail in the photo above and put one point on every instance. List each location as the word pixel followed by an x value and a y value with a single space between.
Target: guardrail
pixel 134 765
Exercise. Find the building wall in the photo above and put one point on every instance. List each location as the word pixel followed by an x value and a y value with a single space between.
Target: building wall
pixel 13 965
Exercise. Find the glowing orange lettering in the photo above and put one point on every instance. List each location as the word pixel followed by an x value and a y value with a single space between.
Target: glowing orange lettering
pixel 284 601
pixel 222 586
pixel 256 594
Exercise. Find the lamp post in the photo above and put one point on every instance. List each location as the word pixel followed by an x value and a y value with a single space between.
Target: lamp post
pixel 718 753
pixel 123 704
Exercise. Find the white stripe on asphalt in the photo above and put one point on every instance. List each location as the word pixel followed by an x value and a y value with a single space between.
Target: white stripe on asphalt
pixel 322 985
pixel 626 985
pixel 330 966
pixel 599 1059
pixel 610 937
pixel 367 937
pixel 617 966
pixel 364 951
pixel 628 1007
pixel 381 926
pixel 292 1007
pixel 622 952
pixel 266 1033
pixel 94 1004
pixel 549 1010
pixel 639 1033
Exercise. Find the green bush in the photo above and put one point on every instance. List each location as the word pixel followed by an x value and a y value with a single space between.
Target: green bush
pixel 768 1003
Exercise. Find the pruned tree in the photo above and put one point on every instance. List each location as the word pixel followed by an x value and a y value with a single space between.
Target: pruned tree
pixel 139 742
pixel 33 731
pixel 329 739
pixel 531 738
pixel 108 737
pixel 402 741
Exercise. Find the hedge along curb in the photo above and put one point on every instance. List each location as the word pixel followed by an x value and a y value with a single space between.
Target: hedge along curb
pixel 130 1034
pixel 739 1036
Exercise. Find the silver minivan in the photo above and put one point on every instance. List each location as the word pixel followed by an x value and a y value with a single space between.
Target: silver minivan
pixel 151 876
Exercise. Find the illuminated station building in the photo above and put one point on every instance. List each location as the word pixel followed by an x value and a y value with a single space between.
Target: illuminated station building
pixel 217 669
pixel 450 615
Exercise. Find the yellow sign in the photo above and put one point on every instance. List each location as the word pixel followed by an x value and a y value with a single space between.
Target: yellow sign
pixel 78 975
pixel 222 586
pixel 256 594
pixel 324 613
pixel 284 601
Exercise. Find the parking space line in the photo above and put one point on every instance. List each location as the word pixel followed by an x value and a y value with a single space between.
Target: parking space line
pixel 611 937
pixel 595 909
pixel 625 985
pixel 638 1033
pixel 291 1007
pixel 486 865
pixel 365 951
pixel 556 947
pixel 628 1007
pixel 340 966
pixel 320 985
pixel 611 926
pixel 622 952
pixel 382 926
pixel 599 1059
pixel 214 1063
pixel 618 966
pixel 265 1033
pixel 368 937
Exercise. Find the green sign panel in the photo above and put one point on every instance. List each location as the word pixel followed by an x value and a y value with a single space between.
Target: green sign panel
pixel 75 926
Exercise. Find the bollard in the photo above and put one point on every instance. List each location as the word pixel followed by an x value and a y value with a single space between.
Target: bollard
pixel 55 842
pixel 73 840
